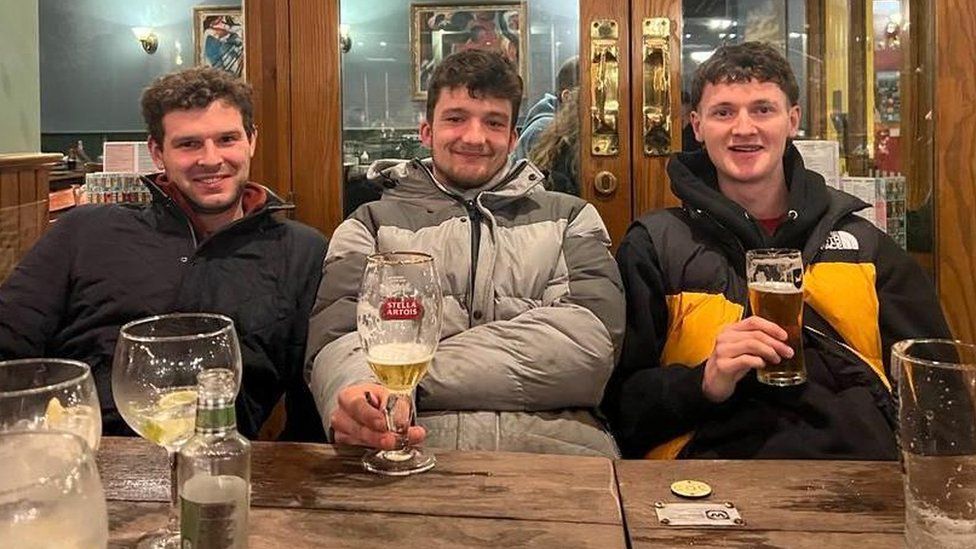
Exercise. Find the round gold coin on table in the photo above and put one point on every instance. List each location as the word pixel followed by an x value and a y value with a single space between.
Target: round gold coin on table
pixel 690 489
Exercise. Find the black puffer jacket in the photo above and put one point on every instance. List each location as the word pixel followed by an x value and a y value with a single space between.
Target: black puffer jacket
pixel 99 267
pixel 683 270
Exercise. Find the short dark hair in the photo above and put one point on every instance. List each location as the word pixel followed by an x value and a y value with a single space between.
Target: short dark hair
pixel 484 73
pixel 568 76
pixel 744 62
pixel 195 88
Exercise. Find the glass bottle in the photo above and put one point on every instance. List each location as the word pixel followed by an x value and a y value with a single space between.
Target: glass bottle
pixel 215 470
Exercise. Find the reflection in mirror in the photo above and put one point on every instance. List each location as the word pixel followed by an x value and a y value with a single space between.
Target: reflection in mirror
pixel 865 70
pixel 393 47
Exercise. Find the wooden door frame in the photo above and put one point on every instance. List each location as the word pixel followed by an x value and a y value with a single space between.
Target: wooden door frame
pixel 955 163
pixel 615 209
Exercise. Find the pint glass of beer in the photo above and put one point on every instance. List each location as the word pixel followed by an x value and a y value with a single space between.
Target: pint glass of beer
pixel 775 279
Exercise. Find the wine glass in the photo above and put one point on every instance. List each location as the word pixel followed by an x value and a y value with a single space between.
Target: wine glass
pixel 50 393
pixel 399 322
pixel 154 381
pixel 50 492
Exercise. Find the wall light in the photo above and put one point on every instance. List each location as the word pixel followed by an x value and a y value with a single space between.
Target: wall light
pixel 147 38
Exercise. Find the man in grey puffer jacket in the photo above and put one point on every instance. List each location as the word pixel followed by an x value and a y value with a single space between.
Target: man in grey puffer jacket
pixel 533 303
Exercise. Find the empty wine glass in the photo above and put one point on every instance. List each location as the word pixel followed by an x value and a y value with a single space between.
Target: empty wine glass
pixel 50 492
pixel 154 381
pixel 50 393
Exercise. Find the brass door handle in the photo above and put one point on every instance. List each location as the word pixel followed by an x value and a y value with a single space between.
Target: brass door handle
pixel 605 87
pixel 605 183
pixel 656 54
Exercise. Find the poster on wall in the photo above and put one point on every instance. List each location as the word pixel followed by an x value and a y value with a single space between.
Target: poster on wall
pixel 437 31
pixel 218 38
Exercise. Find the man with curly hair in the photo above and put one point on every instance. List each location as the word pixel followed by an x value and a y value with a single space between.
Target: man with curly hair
pixel 209 241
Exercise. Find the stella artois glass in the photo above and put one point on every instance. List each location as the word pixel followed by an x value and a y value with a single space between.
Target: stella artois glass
pixel 776 293
pixel 399 323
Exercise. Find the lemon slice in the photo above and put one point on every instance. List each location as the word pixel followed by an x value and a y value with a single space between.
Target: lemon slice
pixel 172 418
pixel 175 399
pixel 55 412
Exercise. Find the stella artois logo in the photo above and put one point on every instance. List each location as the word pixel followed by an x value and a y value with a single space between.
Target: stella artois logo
pixel 401 308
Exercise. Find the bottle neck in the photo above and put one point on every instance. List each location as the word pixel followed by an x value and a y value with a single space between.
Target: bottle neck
pixel 215 418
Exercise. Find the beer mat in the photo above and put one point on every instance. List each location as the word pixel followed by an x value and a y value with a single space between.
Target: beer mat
pixel 708 515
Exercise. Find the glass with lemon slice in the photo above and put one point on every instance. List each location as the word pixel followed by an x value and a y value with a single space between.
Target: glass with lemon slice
pixel 154 374
pixel 50 394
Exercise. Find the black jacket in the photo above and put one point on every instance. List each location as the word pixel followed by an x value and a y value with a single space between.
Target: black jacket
pixel 683 270
pixel 101 266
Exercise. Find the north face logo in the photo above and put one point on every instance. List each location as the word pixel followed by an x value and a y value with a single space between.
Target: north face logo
pixel 840 240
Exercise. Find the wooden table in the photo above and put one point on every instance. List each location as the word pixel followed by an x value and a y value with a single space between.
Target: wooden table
pixel 785 504
pixel 309 495
pixel 312 495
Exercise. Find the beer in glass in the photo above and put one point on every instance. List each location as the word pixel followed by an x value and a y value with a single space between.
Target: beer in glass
pixel 775 278
pixel 399 324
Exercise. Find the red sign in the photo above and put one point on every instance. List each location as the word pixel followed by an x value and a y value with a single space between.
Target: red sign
pixel 401 308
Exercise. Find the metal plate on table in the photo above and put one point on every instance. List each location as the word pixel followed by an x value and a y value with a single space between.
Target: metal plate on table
pixel 720 514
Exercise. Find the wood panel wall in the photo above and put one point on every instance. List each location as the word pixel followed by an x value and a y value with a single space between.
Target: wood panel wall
pixel 23 204
pixel 955 163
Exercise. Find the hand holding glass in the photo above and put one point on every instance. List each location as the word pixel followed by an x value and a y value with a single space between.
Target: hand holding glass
pixel 154 381
pixel 775 278
pixel 399 322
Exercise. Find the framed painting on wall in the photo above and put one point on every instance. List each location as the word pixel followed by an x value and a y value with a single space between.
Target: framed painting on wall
pixel 218 38
pixel 437 31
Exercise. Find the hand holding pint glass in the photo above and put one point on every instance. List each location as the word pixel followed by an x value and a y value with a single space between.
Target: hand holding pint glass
pixel 399 323
pixel 775 278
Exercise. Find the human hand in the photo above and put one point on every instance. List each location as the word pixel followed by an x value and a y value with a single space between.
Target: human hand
pixel 358 420
pixel 740 347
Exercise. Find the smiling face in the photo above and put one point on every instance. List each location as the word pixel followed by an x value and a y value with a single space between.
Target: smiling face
pixel 469 138
pixel 207 154
pixel 744 127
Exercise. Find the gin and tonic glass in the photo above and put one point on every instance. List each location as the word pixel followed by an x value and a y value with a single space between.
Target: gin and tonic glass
pixel 50 492
pixel 399 323
pixel 50 394
pixel 154 381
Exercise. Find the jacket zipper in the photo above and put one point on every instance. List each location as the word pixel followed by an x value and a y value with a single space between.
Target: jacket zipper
pixel 474 215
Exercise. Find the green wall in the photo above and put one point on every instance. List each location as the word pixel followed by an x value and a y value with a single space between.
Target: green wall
pixel 20 88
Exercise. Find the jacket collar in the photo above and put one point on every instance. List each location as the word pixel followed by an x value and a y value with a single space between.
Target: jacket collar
pixel 160 198
pixel 414 180
pixel 812 207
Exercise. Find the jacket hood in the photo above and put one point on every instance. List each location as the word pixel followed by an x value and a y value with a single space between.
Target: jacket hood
pixel 812 207
pixel 543 108
pixel 414 179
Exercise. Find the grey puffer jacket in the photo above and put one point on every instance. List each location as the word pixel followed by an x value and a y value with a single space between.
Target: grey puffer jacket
pixel 533 309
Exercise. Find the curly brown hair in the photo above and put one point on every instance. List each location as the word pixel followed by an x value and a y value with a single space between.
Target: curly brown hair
pixel 195 88
pixel 744 62
pixel 484 73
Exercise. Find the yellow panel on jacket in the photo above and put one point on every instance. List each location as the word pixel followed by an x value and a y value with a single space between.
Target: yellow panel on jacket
pixel 844 295
pixel 694 321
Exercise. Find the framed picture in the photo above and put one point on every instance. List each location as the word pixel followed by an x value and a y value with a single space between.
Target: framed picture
pixel 218 38
pixel 437 31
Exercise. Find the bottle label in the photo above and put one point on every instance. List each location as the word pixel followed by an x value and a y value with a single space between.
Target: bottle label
pixel 216 418
pixel 214 513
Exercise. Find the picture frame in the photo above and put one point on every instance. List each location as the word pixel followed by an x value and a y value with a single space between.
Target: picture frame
pixel 437 30
pixel 218 38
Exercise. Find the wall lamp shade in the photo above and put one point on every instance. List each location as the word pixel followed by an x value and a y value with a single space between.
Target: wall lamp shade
pixel 147 38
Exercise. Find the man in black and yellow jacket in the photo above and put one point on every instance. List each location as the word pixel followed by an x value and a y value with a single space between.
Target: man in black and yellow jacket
pixel 685 385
